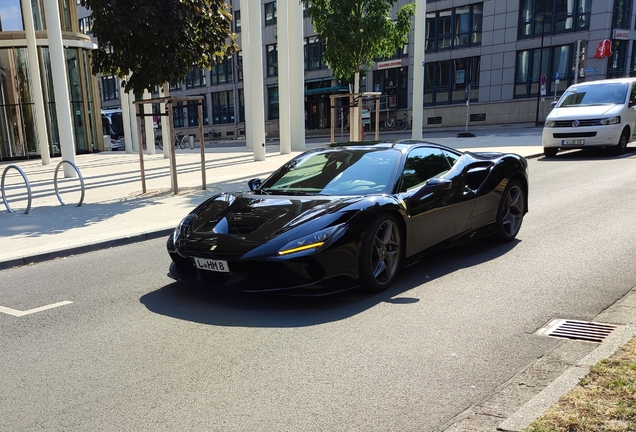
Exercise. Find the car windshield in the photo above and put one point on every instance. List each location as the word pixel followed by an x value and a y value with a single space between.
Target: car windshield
pixel 336 172
pixel 600 94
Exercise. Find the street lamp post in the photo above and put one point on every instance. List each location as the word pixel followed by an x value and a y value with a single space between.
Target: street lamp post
pixel 540 19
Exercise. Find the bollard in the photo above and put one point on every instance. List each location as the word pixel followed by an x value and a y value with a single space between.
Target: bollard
pixel 106 139
pixel 191 142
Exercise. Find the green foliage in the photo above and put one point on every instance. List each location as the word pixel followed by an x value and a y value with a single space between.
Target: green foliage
pixel 358 31
pixel 159 41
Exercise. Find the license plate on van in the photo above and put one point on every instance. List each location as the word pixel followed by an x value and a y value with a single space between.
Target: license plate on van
pixel 573 142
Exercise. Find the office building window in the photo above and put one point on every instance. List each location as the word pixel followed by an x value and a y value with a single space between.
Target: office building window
pixel 177 115
pixel 272 103
pixel 393 83
pixel 537 17
pixel 221 73
pixel 272 60
pixel 237 21
pixel 195 78
pixel 451 81
pixel 223 107
pixel 617 62
pixel 11 18
pixel 193 112
pixel 270 13
pixel 110 88
pixel 530 65
pixel 313 53
pixel 459 27
pixel 86 25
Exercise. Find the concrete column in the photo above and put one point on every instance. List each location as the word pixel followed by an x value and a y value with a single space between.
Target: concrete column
pixel 297 75
pixel 148 126
pixel 60 85
pixel 284 76
pixel 253 79
pixel 36 83
pixel 418 68
pixel 125 119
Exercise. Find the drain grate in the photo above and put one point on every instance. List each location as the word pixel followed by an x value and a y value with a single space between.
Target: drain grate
pixel 578 330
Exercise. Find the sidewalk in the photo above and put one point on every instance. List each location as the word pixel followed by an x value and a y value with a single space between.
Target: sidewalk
pixel 115 212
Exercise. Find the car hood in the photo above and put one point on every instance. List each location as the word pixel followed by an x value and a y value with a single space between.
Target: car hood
pixel 255 219
pixel 584 112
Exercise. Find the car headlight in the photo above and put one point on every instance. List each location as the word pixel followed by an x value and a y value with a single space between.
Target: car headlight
pixel 549 123
pixel 611 120
pixel 312 241
pixel 180 229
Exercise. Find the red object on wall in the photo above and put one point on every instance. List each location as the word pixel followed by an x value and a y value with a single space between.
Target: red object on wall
pixel 604 49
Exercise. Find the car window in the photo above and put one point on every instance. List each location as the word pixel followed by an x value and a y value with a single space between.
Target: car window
pixel 422 164
pixel 337 172
pixel 594 94
pixel 451 157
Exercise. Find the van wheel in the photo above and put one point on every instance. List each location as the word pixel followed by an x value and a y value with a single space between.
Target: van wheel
pixel 550 151
pixel 622 144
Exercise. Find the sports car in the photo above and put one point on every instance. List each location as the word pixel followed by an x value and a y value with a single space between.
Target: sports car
pixel 349 215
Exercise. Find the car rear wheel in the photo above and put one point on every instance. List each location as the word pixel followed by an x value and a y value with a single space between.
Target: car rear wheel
pixel 620 148
pixel 380 255
pixel 511 211
pixel 550 151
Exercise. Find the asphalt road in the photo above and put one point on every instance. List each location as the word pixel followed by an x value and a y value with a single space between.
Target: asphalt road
pixel 133 351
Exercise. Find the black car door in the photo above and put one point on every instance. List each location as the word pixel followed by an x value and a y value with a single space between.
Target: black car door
pixel 437 215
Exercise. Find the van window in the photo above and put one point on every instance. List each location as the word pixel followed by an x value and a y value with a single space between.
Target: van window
pixel 600 94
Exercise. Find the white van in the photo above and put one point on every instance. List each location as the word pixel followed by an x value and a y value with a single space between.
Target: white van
pixel 592 114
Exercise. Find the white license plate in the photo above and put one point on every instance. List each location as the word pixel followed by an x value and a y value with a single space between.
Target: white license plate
pixel 212 265
pixel 573 142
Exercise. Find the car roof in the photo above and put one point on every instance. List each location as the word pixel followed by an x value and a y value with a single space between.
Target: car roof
pixel 606 81
pixel 402 145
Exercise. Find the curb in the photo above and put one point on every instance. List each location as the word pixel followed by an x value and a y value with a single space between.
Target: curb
pixel 63 253
pixel 620 313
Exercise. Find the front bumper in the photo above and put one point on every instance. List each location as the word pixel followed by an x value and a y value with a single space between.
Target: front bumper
pixel 325 273
pixel 581 137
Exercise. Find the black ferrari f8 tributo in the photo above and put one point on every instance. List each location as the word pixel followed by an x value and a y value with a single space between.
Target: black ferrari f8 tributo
pixel 349 215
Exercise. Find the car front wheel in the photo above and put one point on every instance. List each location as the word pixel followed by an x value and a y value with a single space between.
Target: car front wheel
pixel 511 211
pixel 620 148
pixel 380 255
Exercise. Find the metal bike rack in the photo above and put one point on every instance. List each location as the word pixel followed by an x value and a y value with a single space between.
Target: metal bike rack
pixel 26 180
pixel 57 192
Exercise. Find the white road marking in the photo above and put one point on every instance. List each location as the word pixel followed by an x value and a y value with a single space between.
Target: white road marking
pixel 17 313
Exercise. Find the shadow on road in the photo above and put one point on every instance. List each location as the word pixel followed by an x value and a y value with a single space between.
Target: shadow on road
pixel 229 309
pixel 589 154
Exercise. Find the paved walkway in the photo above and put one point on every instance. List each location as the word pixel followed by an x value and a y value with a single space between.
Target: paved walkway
pixel 115 212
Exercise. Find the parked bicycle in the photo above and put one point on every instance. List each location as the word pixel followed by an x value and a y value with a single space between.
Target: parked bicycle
pixel 388 124
pixel 180 141
pixel 214 134
pixel 404 123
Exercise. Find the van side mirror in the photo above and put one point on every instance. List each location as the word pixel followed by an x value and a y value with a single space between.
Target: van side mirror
pixel 553 104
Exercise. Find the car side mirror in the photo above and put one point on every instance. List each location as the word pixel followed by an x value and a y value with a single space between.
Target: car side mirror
pixel 254 184
pixel 553 104
pixel 433 185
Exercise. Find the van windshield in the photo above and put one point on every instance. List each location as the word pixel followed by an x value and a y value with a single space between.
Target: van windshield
pixel 596 94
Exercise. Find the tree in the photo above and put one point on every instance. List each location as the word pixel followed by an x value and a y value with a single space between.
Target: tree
pixel 147 43
pixel 357 32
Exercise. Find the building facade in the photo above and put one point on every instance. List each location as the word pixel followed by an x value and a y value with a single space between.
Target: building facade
pixel 508 58
pixel 19 100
